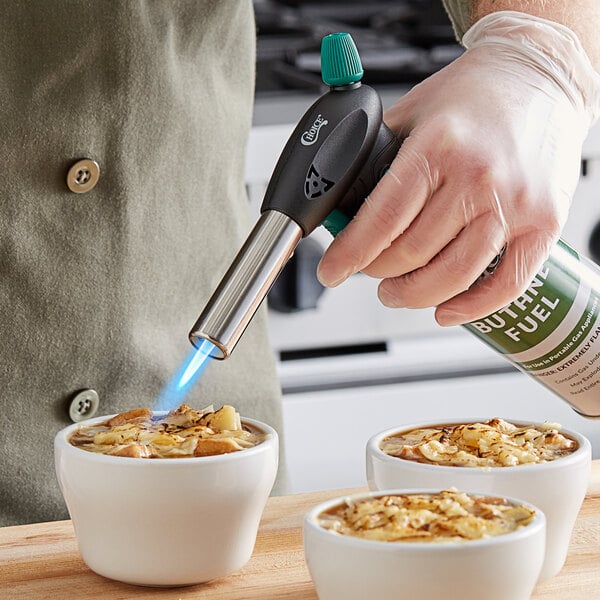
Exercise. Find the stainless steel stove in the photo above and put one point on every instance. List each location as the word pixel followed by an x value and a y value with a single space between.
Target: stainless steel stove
pixel 400 41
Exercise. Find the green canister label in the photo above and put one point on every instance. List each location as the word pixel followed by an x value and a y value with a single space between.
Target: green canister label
pixel 552 331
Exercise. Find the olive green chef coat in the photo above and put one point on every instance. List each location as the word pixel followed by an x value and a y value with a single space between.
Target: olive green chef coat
pixel 98 290
pixel 459 13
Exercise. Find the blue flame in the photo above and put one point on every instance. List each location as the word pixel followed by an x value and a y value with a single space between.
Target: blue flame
pixel 179 386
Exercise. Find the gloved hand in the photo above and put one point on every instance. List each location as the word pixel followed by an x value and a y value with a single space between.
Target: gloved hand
pixel 491 159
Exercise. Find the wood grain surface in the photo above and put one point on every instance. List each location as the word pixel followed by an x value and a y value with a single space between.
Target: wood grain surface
pixel 41 561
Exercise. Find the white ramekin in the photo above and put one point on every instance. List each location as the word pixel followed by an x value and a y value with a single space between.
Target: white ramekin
pixel 169 521
pixel 505 567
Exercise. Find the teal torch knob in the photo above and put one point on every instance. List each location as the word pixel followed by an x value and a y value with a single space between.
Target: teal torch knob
pixel 340 62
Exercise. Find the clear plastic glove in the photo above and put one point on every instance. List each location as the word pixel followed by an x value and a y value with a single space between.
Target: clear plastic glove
pixel 490 160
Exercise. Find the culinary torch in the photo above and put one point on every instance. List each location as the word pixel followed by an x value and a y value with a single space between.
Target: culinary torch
pixel 333 159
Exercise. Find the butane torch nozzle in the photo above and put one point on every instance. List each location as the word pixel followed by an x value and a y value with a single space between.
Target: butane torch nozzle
pixel 257 265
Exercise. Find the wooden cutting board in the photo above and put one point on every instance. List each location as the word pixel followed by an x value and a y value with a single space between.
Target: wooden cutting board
pixel 41 561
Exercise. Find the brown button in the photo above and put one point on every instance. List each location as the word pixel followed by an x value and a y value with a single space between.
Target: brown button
pixel 83 176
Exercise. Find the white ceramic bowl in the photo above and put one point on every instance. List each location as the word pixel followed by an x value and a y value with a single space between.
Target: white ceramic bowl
pixel 505 567
pixel 557 487
pixel 169 521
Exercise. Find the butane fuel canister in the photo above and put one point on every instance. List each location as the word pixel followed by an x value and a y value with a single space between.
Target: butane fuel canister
pixel 552 331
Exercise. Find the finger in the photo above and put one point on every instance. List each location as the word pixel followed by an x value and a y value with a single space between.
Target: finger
pixel 439 222
pixel 400 117
pixel 387 211
pixel 451 272
pixel 522 260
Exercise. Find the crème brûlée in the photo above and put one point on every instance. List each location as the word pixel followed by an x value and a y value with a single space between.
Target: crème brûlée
pixel 182 433
pixel 446 516
pixel 495 443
